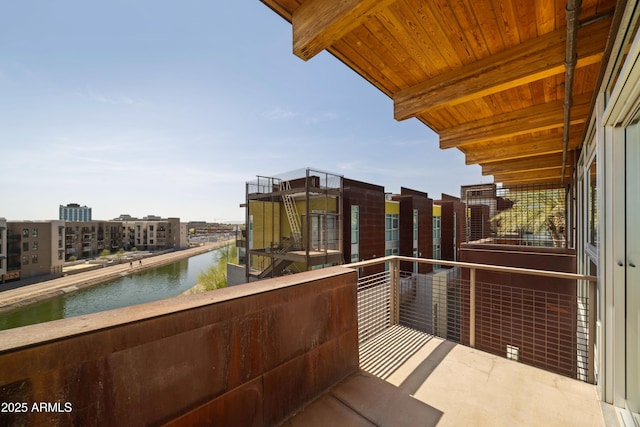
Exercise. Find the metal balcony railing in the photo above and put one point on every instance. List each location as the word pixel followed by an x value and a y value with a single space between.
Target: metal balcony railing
pixel 552 330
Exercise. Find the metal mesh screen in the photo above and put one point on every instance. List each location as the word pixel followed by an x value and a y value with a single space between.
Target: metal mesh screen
pixel 431 303
pixel 539 328
pixel 374 305
pixel 529 215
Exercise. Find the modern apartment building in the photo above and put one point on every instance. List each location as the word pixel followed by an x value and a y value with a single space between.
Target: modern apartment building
pixel 293 223
pixel 34 248
pixel 74 212
pixel 280 238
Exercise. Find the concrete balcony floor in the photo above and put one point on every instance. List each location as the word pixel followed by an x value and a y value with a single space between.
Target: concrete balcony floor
pixel 408 378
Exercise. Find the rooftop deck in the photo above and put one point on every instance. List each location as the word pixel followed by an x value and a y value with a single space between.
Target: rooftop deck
pixel 410 378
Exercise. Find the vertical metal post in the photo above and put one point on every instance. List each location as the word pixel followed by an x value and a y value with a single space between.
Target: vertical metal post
pixel 592 332
pixel 394 279
pixel 308 216
pixel 472 307
pixel 247 249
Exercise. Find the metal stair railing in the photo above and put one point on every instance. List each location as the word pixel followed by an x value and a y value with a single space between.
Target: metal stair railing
pixel 292 214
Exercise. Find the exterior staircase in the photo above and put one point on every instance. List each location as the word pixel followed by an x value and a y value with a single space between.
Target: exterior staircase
pixel 292 215
pixel 277 266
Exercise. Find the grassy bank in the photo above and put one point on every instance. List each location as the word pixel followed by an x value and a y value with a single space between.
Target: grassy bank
pixel 215 277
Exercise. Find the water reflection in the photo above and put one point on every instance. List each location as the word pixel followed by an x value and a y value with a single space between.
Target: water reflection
pixel 137 288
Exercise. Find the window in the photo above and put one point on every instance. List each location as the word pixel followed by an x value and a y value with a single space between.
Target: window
pixel 25 246
pixel 436 227
pixel 34 246
pixel 416 254
pixel 34 259
pixel 415 228
pixel 34 233
pixel 391 226
pixel 355 223
pixel 25 232
pixel 355 233
pixel 593 203
pixel 436 255
pixel 25 259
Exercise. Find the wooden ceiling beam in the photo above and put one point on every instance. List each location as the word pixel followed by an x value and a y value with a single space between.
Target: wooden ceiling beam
pixel 549 175
pixel 533 163
pixel 546 174
pixel 527 62
pixel 520 148
pixel 546 181
pixel 519 122
pixel 317 24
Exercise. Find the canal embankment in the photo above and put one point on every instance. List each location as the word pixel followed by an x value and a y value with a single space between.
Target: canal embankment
pixel 13 299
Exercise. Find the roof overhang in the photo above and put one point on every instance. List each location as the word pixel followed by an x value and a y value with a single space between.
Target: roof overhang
pixel 488 78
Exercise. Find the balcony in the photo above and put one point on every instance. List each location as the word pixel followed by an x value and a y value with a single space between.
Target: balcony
pixel 364 350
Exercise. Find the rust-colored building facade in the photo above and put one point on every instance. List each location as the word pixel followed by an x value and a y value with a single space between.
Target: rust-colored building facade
pixel 364 238
pixel 453 226
pixel 416 228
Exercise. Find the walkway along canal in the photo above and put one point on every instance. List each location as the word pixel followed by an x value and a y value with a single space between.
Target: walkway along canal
pixel 129 289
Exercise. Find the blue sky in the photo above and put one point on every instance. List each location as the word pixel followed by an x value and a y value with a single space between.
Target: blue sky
pixel 169 107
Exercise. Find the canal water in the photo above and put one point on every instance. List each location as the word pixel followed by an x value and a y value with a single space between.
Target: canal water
pixel 149 285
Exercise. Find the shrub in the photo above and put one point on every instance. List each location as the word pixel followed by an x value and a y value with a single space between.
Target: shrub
pixel 215 276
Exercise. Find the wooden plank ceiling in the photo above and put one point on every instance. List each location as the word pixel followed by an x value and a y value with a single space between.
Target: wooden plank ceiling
pixel 486 75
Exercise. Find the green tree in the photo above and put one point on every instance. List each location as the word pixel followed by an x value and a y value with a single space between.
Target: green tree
pixel 534 212
pixel 215 276
pixel 105 253
pixel 120 255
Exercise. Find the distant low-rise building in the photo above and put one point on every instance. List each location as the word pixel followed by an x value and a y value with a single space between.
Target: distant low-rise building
pixel 36 248
pixel 206 228
pixel 152 233
pixel 87 239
